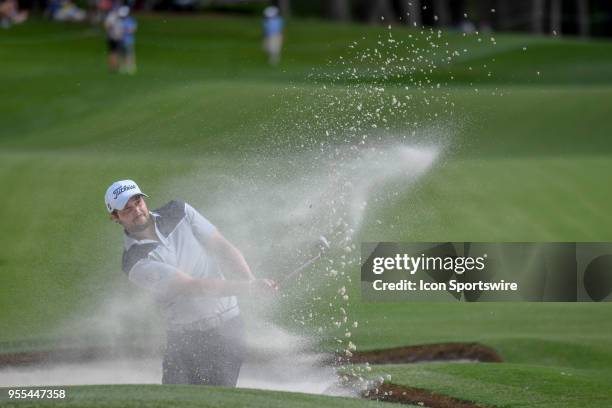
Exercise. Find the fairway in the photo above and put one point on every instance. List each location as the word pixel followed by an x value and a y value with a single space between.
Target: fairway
pixel 508 385
pixel 523 155
pixel 186 396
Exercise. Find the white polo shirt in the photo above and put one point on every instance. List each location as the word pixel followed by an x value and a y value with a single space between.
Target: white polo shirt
pixel 182 246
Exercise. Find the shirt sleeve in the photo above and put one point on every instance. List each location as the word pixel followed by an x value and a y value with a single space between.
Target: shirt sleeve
pixel 201 227
pixel 152 275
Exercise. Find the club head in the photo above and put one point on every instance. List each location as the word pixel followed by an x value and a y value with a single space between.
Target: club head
pixel 323 244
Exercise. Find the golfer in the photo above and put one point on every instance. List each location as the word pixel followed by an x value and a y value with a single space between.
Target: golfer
pixel 178 255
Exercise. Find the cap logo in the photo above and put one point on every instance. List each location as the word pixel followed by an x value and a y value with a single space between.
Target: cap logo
pixel 117 192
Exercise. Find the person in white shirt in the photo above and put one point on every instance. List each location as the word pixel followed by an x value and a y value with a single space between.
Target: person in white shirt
pixel 181 258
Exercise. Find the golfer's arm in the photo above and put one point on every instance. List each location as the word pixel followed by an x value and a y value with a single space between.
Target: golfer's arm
pixel 229 256
pixel 167 281
pixel 183 284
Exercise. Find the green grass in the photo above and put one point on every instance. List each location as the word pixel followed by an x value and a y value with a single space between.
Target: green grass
pixel 508 385
pixel 127 396
pixel 547 198
pixel 525 157
pixel 559 334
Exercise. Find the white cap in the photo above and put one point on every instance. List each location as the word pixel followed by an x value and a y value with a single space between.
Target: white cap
pixel 119 193
pixel 123 11
pixel 271 11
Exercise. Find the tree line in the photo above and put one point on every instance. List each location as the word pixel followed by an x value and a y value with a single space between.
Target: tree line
pixel 559 17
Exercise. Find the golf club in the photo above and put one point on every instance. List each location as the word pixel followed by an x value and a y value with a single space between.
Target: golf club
pixel 322 247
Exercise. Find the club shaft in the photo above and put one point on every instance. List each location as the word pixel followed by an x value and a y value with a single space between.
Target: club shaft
pixel 300 268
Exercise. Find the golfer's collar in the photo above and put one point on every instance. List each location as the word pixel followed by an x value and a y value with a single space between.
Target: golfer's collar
pixel 129 241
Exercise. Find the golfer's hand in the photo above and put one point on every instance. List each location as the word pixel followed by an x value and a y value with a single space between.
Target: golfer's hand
pixel 262 286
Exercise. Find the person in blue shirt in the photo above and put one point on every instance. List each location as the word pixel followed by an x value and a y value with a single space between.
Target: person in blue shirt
pixel 128 29
pixel 273 34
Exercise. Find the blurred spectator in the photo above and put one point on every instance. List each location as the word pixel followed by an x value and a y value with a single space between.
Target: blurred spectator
pixel 102 8
pixel 65 10
pixel 113 25
pixel 467 27
pixel 10 14
pixel 273 34
pixel 129 27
